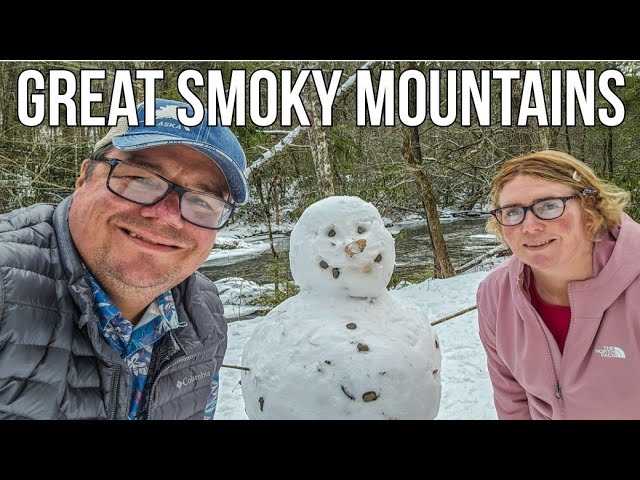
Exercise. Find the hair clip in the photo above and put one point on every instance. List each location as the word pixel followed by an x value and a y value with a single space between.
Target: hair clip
pixel 588 191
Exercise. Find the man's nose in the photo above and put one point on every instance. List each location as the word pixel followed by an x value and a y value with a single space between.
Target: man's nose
pixel 166 211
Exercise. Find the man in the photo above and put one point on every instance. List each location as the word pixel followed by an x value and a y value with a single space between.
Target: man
pixel 102 313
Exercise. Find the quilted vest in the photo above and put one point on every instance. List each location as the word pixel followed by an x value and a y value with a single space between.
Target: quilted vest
pixel 54 364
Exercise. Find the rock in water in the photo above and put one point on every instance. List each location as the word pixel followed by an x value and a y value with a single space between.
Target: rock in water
pixel 344 347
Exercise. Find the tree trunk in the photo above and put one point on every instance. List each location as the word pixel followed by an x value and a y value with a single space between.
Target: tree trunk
pixel 319 146
pixel 566 132
pixel 583 145
pixel 267 215
pixel 609 150
pixel 276 199
pixel 411 151
pixel 287 140
pixel 544 138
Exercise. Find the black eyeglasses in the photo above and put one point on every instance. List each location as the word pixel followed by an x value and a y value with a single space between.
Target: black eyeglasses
pixel 545 209
pixel 144 187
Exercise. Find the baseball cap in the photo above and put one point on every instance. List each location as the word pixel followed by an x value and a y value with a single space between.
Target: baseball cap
pixel 217 142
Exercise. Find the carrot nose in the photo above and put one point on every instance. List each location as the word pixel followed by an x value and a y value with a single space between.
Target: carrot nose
pixel 357 246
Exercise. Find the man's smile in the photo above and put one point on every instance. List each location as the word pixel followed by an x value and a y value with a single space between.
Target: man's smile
pixel 150 241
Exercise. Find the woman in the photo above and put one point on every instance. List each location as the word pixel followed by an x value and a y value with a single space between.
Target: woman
pixel 560 319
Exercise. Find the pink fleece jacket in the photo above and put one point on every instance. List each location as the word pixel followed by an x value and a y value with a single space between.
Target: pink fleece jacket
pixel 598 376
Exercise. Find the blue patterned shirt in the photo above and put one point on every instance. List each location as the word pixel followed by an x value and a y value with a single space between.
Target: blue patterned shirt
pixel 135 344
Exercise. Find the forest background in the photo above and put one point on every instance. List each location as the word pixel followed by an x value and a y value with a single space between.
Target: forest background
pixel 424 169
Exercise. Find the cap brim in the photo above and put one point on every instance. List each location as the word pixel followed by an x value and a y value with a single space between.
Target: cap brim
pixel 238 186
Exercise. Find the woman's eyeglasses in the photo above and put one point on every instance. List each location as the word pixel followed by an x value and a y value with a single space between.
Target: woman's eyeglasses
pixel 545 209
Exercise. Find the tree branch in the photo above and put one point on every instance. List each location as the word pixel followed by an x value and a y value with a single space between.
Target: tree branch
pixel 478 260
pixel 287 140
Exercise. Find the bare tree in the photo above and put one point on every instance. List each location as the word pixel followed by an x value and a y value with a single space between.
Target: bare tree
pixel 412 153
pixel 318 143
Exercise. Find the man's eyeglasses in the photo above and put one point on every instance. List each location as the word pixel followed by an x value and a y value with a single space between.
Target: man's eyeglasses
pixel 545 209
pixel 144 187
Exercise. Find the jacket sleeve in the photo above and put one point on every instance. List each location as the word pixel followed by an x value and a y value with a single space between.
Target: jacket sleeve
pixel 509 397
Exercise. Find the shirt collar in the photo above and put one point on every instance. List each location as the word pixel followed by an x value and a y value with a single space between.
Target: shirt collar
pixel 112 323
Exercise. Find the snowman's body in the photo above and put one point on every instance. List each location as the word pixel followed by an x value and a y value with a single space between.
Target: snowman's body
pixel 343 348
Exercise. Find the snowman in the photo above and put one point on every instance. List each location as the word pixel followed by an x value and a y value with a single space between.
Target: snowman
pixel 343 347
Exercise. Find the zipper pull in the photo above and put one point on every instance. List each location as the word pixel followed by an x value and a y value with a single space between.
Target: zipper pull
pixel 558 392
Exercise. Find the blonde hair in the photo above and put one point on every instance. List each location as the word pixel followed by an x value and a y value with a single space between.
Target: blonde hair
pixel 602 211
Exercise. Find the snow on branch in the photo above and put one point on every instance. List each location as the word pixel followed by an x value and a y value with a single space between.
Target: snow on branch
pixel 278 147
pixel 478 260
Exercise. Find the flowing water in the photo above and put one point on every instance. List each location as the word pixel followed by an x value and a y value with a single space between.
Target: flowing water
pixel 413 254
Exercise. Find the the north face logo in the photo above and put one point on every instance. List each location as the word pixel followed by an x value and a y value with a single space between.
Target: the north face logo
pixel 610 352
pixel 189 380
pixel 169 111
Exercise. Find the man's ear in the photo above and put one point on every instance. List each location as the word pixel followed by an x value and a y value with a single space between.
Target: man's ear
pixel 83 173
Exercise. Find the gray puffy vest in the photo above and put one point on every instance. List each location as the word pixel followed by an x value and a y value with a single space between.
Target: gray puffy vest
pixel 54 364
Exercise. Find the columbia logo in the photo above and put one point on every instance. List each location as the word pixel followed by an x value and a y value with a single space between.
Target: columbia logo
pixel 610 352
pixel 169 111
pixel 189 380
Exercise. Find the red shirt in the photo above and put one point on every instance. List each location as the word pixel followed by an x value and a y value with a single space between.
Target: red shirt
pixel 556 317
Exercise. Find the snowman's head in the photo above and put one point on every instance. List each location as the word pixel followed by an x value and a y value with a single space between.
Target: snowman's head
pixel 340 246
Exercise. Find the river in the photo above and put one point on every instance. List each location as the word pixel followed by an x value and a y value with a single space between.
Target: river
pixel 413 254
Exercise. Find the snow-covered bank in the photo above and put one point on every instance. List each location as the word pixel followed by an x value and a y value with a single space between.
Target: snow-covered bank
pixel 228 251
pixel 239 295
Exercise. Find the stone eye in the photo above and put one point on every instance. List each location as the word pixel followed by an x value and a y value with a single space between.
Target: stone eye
pixel 332 233
pixel 361 230
pixel 324 264
pixel 378 258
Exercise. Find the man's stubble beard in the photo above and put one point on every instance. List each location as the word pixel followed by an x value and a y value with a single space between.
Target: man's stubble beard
pixel 119 276
pixel 116 276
